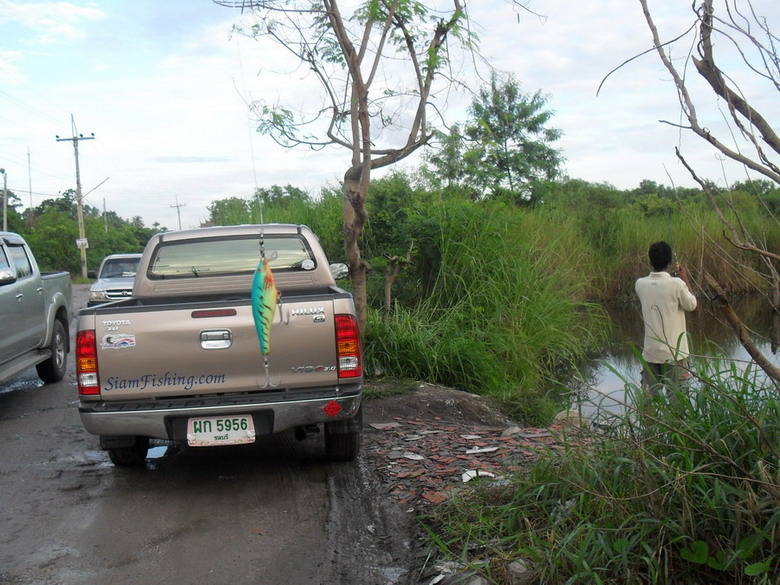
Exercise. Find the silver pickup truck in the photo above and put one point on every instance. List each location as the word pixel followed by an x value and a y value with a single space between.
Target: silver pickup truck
pixel 182 360
pixel 35 311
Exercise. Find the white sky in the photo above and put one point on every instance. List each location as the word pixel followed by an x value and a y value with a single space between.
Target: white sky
pixel 163 85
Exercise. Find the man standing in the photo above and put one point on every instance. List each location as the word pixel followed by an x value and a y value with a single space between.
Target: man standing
pixel 665 299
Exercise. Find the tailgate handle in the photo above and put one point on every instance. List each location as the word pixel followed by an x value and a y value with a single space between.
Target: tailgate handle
pixel 216 339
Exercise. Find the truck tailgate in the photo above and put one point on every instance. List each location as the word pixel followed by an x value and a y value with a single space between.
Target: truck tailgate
pixel 212 347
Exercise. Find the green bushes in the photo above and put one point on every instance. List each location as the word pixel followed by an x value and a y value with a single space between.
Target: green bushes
pixel 679 492
pixel 501 317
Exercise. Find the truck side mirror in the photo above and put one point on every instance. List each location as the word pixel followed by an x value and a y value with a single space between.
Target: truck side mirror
pixel 7 275
pixel 91 274
pixel 339 270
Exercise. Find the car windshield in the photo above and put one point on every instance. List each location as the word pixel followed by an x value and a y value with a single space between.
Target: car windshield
pixel 119 267
pixel 221 257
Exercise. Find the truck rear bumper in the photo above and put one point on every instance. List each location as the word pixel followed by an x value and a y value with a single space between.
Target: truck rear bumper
pixel 163 419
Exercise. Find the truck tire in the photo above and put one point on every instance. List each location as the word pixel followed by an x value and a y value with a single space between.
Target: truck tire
pixel 134 456
pixel 342 438
pixel 53 369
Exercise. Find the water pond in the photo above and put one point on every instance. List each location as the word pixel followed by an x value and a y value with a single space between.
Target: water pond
pixel 604 381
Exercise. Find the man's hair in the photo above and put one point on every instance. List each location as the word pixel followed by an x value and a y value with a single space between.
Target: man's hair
pixel 660 255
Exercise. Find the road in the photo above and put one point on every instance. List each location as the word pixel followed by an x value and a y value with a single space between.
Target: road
pixel 270 513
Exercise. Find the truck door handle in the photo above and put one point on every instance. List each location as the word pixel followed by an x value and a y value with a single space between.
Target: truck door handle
pixel 216 339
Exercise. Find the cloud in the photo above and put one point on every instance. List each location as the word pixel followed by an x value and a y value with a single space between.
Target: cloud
pixel 193 159
pixel 10 72
pixel 49 22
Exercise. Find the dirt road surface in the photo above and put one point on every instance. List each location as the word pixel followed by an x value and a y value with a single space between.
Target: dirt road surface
pixel 275 512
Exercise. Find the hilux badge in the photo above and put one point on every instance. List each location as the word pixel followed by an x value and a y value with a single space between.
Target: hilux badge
pixel 307 311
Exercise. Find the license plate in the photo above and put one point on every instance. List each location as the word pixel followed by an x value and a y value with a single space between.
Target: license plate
pixel 210 431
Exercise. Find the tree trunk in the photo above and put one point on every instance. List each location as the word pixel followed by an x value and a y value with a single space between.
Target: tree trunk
pixel 394 266
pixel 775 314
pixel 721 301
pixel 355 216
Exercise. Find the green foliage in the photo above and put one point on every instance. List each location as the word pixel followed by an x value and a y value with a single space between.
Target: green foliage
pixel 766 193
pixel 500 317
pixel 230 211
pixel 618 226
pixel 53 241
pixel 286 204
pixel 279 123
pixel 680 491
pixel 408 37
pixel 55 231
pixel 504 148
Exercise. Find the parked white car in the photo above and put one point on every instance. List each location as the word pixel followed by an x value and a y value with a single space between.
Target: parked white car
pixel 114 279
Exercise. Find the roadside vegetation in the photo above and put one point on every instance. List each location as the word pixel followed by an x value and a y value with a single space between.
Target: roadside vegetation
pixel 506 299
pixel 681 491
pixel 51 228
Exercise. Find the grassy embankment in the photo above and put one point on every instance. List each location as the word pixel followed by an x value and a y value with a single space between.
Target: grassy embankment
pixel 686 492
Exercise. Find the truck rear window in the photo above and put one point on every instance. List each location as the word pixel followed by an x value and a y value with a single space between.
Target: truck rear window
pixel 230 256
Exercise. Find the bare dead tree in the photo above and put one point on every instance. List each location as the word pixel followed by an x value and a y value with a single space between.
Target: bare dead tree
pixel 749 137
pixel 395 264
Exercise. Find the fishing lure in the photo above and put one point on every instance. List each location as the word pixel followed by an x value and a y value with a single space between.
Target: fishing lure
pixel 264 300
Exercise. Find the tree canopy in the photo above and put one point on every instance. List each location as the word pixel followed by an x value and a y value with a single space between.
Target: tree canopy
pixel 503 149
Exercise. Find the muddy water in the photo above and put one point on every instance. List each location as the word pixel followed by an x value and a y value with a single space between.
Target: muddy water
pixel 604 381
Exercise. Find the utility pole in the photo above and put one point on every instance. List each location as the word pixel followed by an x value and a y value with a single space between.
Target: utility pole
pixel 178 206
pixel 82 241
pixel 5 199
pixel 29 185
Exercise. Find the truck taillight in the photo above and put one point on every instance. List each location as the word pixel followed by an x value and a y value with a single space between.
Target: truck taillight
pixel 86 363
pixel 348 347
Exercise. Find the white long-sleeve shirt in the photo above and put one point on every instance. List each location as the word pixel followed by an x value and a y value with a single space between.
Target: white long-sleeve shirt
pixel 664 299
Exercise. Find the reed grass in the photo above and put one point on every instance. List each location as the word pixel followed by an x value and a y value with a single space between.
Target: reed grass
pixel 696 235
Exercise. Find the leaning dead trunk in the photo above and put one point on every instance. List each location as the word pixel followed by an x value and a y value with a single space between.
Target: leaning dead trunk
pixel 721 301
pixel 775 314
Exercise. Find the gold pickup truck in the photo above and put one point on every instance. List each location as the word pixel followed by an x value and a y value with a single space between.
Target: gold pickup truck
pixel 181 360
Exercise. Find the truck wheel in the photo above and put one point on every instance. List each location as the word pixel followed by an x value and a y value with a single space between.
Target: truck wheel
pixel 342 438
pixel 53 369
pixel 134 456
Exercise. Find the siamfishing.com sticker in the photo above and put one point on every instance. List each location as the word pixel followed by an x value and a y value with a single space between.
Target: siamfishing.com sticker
pixel 117 341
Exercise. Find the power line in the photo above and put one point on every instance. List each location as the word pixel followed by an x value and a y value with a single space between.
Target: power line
pixel 25 105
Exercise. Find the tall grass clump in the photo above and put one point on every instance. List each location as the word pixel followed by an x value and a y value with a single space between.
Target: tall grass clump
pixel 681 491
pixel 500 319
pixel 696 235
